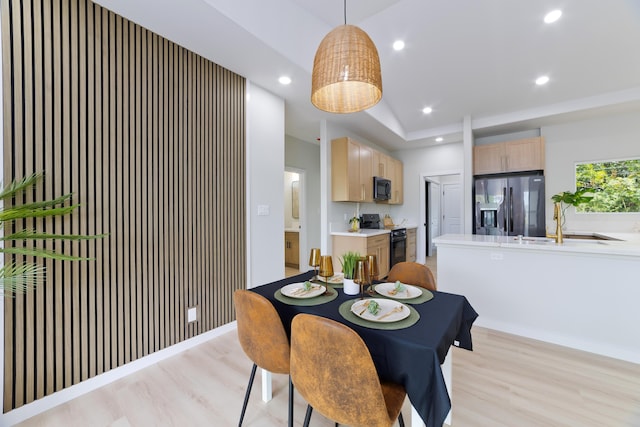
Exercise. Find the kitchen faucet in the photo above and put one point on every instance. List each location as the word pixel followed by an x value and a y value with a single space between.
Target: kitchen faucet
pixel 557 216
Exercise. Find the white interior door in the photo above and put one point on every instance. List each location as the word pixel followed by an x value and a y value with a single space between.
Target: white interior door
pixel 452 208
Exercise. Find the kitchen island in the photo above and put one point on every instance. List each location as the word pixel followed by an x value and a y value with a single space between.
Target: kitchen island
pixel 583 294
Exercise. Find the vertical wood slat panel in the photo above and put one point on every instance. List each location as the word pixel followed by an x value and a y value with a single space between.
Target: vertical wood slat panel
pixel 150 139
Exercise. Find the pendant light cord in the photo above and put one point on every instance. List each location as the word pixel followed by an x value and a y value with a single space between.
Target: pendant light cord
pixel 345 12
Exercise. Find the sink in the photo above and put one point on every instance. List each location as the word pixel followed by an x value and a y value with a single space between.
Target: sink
pixel 546 241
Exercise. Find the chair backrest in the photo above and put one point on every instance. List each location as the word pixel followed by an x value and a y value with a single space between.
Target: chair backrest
pixel 261 333
pixel 413 273
pixel 331 367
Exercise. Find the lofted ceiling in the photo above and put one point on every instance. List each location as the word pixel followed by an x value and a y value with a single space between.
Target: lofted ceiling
pixel 463 58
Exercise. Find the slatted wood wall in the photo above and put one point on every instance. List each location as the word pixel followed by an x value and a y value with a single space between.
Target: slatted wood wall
pixel 150 138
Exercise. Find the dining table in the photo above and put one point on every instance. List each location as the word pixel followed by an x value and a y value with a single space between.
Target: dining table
pixel 413 352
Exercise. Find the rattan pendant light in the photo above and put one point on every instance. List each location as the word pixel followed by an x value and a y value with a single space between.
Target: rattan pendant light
pixel 346 71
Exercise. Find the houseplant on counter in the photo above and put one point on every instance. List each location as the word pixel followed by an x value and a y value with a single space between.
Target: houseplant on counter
pixel 567 198
pixel 348 262
pixel 355 223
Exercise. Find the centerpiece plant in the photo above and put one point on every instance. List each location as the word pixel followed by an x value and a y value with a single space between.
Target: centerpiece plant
pixel 348 262
pixel 19 277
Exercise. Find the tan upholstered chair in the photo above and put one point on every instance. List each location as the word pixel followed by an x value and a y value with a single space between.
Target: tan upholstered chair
pixel 331 367
pixel 412 273
pixel 263 339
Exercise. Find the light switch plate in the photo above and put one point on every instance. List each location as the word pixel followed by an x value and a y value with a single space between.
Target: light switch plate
pixel 192 314
pixel 263 210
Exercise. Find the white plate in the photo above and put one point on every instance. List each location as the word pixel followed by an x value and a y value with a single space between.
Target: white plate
pixel 336 279
pixel 386 306
pixel 296 290
pixel 409 292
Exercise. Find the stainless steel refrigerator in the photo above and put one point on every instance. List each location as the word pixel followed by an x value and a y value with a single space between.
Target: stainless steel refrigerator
pixel 510 205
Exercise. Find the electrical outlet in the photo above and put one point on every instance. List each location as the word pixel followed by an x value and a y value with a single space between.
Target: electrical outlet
pixel 192 314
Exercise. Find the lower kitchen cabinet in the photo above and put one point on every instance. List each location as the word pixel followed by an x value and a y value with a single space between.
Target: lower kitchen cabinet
pixel 411 244
pixel 377 245
pixel 291 249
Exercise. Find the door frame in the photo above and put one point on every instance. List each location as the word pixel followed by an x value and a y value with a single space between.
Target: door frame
pixel 422 234
pixel 302 209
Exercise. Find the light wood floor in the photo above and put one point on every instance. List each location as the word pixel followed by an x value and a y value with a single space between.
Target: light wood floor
pixel 505 381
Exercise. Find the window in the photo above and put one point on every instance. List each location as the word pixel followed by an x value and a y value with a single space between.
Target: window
pixel 615 185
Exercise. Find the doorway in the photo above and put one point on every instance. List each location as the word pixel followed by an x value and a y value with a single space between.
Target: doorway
pixel 295 237
pixel 433 208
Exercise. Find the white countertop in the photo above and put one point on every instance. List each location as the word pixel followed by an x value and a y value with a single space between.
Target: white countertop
pixel 364 232
pixel 628 244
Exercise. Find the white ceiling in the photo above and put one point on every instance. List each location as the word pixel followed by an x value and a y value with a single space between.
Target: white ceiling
pixel 475 58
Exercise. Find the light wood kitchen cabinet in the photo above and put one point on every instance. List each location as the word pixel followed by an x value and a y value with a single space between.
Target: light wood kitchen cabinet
pixel 377 245
pixel 411 244
pixel 351 171
pixel 511 156
pixel 353 166
pixel 291 249
pixel 396 173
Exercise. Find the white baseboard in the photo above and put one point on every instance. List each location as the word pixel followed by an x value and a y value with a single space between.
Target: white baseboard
pixel 34 408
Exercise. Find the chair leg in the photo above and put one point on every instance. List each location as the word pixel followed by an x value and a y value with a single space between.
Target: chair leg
pixel 307 417
pixel 246 395
pixel 400 420
pixel 290 402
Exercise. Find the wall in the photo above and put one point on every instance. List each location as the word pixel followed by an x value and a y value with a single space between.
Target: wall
pixel 150 138
pixel 430 161
pixel 265 122
pixel 306 156
pixel 602 138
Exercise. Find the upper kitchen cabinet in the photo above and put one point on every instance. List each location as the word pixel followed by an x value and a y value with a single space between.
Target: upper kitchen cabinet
pixel 511 156
pixel 396 177
pixel 351 171
pixel 353 166
pixel 391 169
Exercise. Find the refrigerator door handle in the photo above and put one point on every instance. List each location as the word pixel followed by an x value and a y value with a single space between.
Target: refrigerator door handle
pixel 505 212
pixel 511 209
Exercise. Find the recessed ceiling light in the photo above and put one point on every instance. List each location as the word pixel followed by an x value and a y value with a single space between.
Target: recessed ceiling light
pixel 439 139
pixel 552 16
pixel 427 110
pixel 398 45
pixel 285 80
pixel 542 80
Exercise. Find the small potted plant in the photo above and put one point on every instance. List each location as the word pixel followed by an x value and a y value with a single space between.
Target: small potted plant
pixel 355 223
pixel 348 262
pixel 567 198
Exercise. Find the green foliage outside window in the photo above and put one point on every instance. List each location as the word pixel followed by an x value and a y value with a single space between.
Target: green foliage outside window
pixel 615 185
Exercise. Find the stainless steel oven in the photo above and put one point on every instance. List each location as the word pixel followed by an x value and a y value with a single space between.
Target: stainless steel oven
pixel 398 246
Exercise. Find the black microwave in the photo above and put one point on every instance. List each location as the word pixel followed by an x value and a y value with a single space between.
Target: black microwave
pixel 381 188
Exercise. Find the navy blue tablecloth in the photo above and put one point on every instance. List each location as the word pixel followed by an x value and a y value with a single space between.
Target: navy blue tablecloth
pixel 410 356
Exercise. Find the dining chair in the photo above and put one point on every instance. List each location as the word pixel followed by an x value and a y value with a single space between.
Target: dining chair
pixel 263 339
pixel 412 273
pixel 331 367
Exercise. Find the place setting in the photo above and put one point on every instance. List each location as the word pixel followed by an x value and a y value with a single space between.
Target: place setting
pixel 409 294
pixel 377 313
pixel 310 293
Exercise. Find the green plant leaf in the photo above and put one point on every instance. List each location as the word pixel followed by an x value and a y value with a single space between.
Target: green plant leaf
pixel 20 185
pixel 13 213
pixel 20 278
pixel 44 253
pixel 35 235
